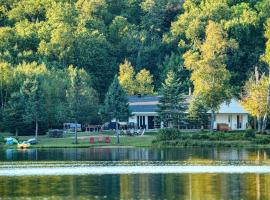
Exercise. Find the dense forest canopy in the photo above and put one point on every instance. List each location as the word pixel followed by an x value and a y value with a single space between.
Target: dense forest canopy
pixel 47 44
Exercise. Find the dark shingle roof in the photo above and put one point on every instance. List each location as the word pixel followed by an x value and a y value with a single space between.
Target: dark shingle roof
pixel 133 99
pixel 143 108
pixel 143 103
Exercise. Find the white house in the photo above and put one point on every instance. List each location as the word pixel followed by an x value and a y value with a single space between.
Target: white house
pixel 145 109
pixel 232 114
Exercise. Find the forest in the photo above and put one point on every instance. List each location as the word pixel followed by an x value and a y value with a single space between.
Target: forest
pixel 59 57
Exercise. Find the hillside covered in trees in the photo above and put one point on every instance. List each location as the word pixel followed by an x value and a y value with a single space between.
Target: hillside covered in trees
pixel 59 57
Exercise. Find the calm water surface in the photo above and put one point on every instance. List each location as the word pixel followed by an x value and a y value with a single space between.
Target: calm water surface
pixel 137 186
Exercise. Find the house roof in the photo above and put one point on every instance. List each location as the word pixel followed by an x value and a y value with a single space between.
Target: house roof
pixel 150 104
pixel 143 103
pixel 232 107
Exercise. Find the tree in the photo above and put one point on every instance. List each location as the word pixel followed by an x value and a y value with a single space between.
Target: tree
pixel 34 102
pixel 209 74
pixel 126 77
pixel 6 82
pixel 172 101
pixel 74 96
pixel 267 60
pixel 14 113
pixel 254 97
pixel 144 83
pixel 115 104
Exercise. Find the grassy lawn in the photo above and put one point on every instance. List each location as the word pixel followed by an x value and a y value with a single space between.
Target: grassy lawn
pixel 183 139
pixel 83 140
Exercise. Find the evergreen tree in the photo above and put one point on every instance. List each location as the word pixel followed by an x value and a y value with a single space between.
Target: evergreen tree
pixel 172 101
pixel 115 104
pixel 34 99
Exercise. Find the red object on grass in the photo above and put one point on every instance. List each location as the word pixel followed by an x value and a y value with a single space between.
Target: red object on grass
pixel 100 138
pixel 107 140
pixel 92 140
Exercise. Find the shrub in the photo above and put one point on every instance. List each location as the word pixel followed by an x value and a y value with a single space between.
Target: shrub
pixel 262 140
pixel 250 133
pixel 2 141
pixel 168 134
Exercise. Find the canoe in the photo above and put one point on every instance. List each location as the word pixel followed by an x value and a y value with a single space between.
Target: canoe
pixel 23 146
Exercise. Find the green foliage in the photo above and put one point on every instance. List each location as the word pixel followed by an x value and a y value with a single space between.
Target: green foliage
pixel 172 100
pixel 139 84
pixel 116 103
pixel 250 133
pixel 168 134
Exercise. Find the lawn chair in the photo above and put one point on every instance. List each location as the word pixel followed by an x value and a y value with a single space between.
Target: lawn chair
pixel 92 140
pixel 143 132
pixel 100 139
pixel 107 139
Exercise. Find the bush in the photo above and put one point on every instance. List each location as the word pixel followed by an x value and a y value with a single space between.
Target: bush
pixel 262 140
pixel 250 133
pixel 2 141
pixel 55 133
pixel 168 134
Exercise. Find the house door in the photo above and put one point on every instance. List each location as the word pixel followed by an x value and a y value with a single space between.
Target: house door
pixel 239 121
pixel 141 121
pixel 151 122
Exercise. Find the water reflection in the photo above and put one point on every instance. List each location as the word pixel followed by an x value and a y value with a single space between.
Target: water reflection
pixel 147 186
pixel 134 154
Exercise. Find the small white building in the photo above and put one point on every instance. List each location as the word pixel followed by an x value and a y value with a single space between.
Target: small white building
pixel 232 114
pixel 145 109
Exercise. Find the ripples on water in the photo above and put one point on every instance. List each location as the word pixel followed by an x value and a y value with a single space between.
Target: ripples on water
pixel 238 174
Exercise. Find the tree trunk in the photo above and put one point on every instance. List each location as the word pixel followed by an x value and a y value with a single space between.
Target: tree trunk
pixel 76 134
pixel 16 132
pixel 212 121
pixel 117 132
pixel 267 106
pixel 259 123
pixel 36 133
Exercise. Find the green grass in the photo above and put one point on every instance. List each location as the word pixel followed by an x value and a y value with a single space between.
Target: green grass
pixel 176 138
pixel 83 140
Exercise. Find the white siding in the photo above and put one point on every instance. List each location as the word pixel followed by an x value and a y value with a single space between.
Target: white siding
pixel 133 118
pixel 224 119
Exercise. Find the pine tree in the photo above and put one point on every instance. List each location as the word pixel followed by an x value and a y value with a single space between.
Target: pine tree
pixel 172 100
pixel 115 104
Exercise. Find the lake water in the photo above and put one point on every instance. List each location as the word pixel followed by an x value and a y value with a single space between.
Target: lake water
pixel 213 173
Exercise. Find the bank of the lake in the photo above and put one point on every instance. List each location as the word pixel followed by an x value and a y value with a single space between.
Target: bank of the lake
pixel 176 138
pixel 153 139
pixel 67 141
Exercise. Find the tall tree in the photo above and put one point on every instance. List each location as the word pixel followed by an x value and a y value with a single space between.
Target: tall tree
pixel 74 97
pixel 14 113
pixel 254 98
pixel 209 74
pixel 172 101
pixel 144 83
pixel 266 58
pixel 34 102
pixel 127 77
pixel 115 104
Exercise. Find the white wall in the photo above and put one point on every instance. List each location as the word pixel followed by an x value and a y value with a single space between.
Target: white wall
pixel 134 117
pixel 224 118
